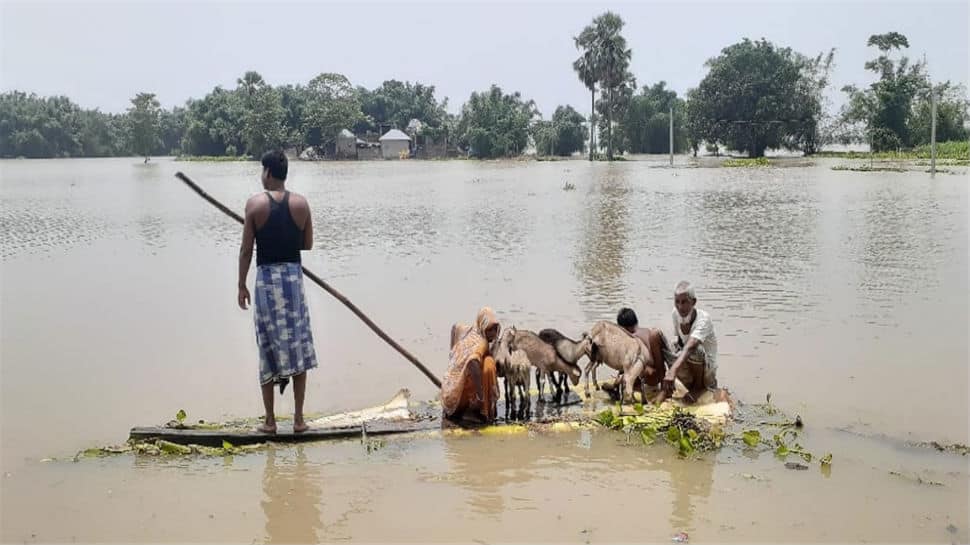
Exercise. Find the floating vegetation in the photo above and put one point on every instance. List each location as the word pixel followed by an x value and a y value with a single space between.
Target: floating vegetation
pixel 944 150
pixel 916 478
pixel 160 447
pixel 568 187
pixel 214 158
pixel 955 448
pixel 755 162
pixel 944 163
pixel 679 428
pixel 690 434
pixel 868 168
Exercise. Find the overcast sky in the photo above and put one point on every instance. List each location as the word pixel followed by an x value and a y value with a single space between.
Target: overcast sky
pixel 102 54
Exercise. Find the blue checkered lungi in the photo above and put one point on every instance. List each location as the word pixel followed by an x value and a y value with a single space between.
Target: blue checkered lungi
pixel 282 323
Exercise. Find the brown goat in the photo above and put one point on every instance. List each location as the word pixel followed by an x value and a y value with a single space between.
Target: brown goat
pixel 569 350
pixel 515 368
pixel 544 357
pixel 618 349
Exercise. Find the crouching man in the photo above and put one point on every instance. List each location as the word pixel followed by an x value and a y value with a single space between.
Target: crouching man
pixel 694 361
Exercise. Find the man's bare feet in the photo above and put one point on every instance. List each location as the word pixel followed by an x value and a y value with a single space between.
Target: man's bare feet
pixel 267 428
pixel 299 426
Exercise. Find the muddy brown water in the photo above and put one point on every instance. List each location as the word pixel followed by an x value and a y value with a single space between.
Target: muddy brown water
pixel 843 294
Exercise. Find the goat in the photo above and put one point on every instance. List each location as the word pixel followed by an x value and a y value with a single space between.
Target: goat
pixel 619 350
pixel 545 359
pixel 514 366
pixel 569 350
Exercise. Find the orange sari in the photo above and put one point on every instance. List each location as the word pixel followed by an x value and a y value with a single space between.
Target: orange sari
pixel 470 387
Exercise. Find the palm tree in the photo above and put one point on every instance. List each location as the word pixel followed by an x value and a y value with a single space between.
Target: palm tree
pixel 251 82
pixel 585 67
pixel 612 59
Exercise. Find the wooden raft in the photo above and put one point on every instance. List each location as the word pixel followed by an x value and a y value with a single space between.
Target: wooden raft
pixel 284 434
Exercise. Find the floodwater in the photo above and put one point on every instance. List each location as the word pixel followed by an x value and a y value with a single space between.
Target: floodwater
pixel 843 294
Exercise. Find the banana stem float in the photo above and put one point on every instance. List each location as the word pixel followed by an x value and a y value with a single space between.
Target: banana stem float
pixel 326 287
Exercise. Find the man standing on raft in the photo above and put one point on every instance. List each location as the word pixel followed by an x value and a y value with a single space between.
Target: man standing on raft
pixel 279 223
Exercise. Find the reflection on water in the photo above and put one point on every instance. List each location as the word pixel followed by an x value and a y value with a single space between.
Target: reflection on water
pixel 602 257
pixel 690 484
pixel 292 497
pixel 525 472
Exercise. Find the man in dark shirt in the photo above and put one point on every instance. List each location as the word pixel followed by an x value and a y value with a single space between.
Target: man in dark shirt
pixel 278 223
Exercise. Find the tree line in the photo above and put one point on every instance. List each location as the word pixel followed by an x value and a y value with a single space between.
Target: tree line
pixel 755 96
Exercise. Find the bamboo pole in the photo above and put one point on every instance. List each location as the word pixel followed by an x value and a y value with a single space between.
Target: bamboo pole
pixel 327 287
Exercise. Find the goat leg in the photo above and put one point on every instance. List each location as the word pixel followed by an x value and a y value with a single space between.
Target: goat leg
pixel 539 385
pixel 528 400
pixel 555 382
pixel 509 396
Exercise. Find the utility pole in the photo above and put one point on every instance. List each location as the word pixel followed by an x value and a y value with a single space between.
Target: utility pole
pixel 671 135
pixel 932 131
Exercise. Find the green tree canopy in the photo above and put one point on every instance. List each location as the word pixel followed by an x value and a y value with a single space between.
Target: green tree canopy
pixel 263 115
pixel 755 96
pixel 645 125
pixel 215 124
pixel 395 104
pixel 31 126
pixel 494 124
pixel 564 135
pixel 894 111
pixel 332 104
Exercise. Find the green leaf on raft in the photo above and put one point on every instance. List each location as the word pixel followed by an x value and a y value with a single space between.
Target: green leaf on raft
pixel 226 445
pixel 180 416
pixel 751 437
pixel 781 451
pixel 686 447
pixel 605 418
pixel 172 448
pixel 638 407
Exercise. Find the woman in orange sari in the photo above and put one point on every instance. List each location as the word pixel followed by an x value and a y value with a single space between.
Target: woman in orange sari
pixel 470 389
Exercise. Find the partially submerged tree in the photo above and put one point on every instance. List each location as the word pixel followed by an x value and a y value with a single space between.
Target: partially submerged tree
pixel 144 123
pixel 645 125
pixel 563 135
pixel 585 67
pixel 755 96
pixel 494 124
pixel 894 111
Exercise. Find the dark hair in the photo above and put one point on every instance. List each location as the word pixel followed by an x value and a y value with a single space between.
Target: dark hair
pixel 626 318
pixel 277 164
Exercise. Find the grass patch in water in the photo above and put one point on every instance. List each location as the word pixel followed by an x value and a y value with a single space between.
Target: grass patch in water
pixel 745 162
pixel 213 158
pixel 867 168
pixel 958 150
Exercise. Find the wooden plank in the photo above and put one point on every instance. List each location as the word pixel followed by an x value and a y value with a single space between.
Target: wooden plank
pixel 284 434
